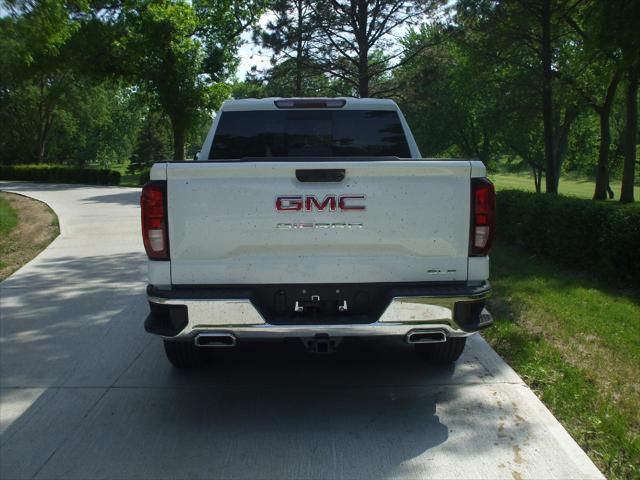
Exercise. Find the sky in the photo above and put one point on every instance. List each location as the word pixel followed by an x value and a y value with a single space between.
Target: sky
pixel 251 54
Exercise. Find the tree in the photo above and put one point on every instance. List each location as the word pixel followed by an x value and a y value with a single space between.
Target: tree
pixel 464 124
pixel 532 37
pixel 152 142
pixel 609 33
pixel 288 35
pixel 37 66
pixel 164 56
pixel 597 78
pixel 178 51
pixel 610 29
pixel 353 31
pixel 603 110
pixel 624 15
pixel 96 124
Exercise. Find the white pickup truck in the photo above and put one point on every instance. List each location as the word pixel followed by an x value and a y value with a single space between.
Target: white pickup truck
pixel 316 218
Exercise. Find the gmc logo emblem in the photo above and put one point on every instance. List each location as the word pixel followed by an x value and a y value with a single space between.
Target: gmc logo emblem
pixel 330 203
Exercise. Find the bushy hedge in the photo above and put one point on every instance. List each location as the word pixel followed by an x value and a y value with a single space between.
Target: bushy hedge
pixel 145 176
pixel 602 237
pixel 59 174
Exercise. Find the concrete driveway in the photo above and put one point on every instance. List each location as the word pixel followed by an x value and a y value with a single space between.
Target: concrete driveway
pixel 85 393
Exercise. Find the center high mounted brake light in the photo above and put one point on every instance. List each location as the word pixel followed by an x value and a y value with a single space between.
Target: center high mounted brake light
pixel 310 103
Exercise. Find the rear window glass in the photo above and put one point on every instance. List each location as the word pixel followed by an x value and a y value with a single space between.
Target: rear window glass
pixel 309 133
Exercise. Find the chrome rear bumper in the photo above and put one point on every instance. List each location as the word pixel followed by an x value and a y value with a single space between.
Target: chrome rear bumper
pixel 184 317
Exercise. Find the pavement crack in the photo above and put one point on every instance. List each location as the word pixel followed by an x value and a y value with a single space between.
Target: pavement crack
pixel 70 434
pixel 126 369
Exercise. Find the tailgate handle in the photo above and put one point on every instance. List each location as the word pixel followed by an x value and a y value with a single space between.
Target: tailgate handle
pixel 324 175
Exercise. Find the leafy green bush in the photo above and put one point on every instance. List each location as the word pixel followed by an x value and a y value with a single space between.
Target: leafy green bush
pixel 145 176
pixel 602 237
pixel 59 173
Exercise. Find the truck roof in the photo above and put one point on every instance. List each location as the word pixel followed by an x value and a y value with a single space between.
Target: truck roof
pixel 269 103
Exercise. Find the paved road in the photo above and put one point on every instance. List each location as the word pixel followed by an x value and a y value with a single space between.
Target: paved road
pixel 85 393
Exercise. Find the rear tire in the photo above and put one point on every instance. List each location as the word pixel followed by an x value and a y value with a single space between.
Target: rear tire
pixel 184 355
pixel 442 353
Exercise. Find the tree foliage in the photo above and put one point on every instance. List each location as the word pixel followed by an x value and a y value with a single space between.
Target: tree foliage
pixel 545 86
pixel 174 54
pixel 523 82
pixel 289 35
pixel 177 51
pixel 356 43
pixel 37 66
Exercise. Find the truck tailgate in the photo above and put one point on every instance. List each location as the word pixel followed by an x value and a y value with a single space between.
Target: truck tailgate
pixel 224 227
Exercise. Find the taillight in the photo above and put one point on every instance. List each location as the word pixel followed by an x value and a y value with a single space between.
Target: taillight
pixel 483 216
pixel 154 219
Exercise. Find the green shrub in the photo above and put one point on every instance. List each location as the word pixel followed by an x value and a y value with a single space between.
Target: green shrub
pixel 601 237
pixel 59 174
pixel 145 176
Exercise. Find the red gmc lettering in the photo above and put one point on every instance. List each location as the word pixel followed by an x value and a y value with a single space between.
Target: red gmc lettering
pixel 289 204
pixel 329 200
pixel 309 203
pixel 343 202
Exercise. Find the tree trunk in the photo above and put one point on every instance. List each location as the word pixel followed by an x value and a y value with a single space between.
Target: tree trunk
pixel 610 192
pixel 363 49
pixel 42 140
pixel 561 139
pixel 41 151
pixel 179 135
pixel 43 134
pixel 298 87
pixel 547 101
pixel 45 113
pixel 604 114
pixel 363 85
pixel 602 172
pixel 629 169
pixel 537 179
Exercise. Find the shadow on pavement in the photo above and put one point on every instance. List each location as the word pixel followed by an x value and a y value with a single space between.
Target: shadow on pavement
pixel 273 364
pixel 338 416
pixel 123 198
pixel 111 406
pixel 72 320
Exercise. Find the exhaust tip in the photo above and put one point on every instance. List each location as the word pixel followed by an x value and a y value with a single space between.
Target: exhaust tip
pixel 426 336
pixel 215 340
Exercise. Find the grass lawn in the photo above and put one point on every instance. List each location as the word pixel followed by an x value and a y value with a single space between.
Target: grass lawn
pixel 576 342
pixel 8 221
pixel 582 188
pixel 27 226
pixel 8 217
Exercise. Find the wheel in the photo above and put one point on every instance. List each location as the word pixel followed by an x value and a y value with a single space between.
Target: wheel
pixel 184 355
pixel 445 352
